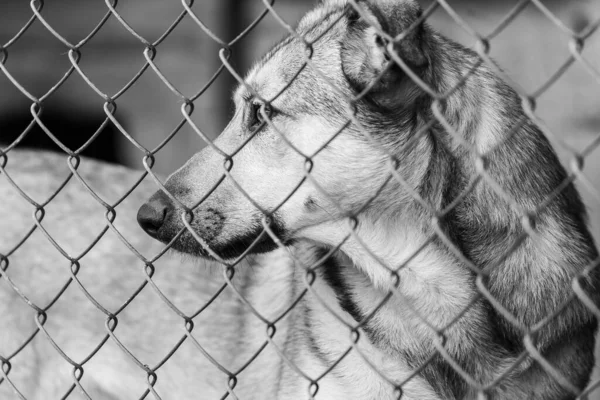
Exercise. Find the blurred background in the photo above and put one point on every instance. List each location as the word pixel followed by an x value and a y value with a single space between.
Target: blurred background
pixel 531 49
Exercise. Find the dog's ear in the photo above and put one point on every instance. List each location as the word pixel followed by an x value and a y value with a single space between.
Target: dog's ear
pixel 365 57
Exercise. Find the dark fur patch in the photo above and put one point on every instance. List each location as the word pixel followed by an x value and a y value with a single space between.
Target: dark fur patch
pixel 336 275
pixel 333 274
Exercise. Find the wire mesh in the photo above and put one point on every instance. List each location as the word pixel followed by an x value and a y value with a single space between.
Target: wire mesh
pixel 357 331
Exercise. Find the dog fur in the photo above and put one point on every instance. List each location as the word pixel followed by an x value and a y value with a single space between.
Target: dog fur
pixel 349 55
pixel 421 336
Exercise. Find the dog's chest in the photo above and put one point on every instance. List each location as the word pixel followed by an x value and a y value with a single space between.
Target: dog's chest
pixel 350 366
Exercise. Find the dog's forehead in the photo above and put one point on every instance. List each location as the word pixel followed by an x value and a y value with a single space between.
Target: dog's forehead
pixel 269 75
pixel 311 56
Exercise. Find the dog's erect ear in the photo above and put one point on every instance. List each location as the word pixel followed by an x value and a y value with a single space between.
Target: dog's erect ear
pixel 365 58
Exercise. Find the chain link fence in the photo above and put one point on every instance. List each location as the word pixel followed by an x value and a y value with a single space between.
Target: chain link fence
pixel 197 308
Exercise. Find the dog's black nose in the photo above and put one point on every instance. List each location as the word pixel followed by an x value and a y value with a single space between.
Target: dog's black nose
pixel 151 216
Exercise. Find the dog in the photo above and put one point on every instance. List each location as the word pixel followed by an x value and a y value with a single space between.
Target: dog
pixel 451 246
pixel 355 253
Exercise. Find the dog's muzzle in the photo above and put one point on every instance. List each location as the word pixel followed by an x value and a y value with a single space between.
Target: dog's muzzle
pixel 153 214
pixel 159 217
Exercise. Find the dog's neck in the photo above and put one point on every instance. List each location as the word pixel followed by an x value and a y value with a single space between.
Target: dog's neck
pixel 427 282
pixel 387 246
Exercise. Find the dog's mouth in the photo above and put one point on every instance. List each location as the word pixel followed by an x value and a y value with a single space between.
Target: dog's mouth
pixel 256 240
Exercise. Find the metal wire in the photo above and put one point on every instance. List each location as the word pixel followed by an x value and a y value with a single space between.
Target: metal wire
pixel 576 42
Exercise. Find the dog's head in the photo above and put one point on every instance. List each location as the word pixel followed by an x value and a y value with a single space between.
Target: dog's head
pixel 330 103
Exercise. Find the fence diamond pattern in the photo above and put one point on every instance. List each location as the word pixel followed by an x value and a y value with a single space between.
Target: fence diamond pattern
pixel 74 51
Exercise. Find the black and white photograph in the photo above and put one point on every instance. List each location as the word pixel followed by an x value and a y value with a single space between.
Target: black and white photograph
pixel 299 199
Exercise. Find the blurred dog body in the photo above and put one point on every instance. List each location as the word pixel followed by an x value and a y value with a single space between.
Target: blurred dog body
pixel 111 273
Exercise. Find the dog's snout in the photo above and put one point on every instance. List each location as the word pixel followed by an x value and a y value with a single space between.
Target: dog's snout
pixel 151 216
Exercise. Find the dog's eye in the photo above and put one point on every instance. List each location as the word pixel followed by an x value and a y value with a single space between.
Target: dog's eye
pixel 256 117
